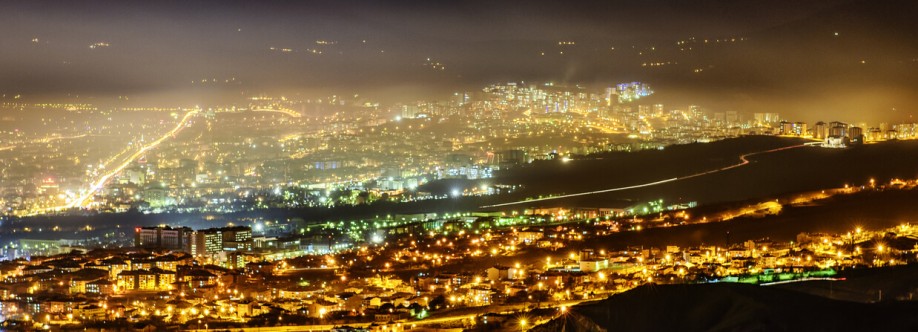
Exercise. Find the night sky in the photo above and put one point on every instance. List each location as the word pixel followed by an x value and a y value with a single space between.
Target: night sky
pixel 790 60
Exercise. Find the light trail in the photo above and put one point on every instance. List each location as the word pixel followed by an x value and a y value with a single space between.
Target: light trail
pixel 81 201
pixel 117 156
pixel 802 280
pixel 42 140
pixel 743 162
pixel 606 130
pixel 50 139
pixel 503 309
pixel 282 111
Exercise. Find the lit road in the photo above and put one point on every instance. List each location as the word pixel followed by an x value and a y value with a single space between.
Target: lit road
pixel 607 130
pixel 42 140
pixel 802 280
pixel 285 328
pixel 282 111
pixel 84 198
pixel 426 321
pixel 743 162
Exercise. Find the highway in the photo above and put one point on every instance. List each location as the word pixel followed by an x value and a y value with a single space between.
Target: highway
pixel 802 280
pixel 282 111
pixel 98 184
pixel 42 140
pixel 743 162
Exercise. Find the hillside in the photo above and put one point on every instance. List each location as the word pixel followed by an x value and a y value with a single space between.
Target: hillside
pixel 731 307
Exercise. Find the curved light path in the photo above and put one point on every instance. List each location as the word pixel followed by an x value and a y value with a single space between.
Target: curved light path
pixel 743 161
pixel 282 111
pixel 84 198
pixel 43 140
pixel 802 280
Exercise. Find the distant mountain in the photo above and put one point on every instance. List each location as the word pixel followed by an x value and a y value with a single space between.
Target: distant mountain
pixel 731 307
pixel 857 61
pixel 855 43
pixel 876 22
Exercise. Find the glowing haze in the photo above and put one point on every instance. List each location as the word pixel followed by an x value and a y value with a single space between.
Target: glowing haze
pixel 808 60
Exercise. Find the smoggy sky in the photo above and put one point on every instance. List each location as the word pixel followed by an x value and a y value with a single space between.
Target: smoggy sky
pixel 158 52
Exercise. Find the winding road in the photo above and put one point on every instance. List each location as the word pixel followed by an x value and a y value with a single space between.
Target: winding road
pixel 743 162
pixel 42 140
pixel 287 112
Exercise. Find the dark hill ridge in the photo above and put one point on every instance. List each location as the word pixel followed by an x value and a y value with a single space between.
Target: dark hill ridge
pixel 768 175
pixel 612 169
pixel 806 71
pixel 840 214
pixel 731 307
pixel 865 285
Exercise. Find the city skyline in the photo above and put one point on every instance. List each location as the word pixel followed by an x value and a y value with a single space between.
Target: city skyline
pixel 279 152
pixel 391 166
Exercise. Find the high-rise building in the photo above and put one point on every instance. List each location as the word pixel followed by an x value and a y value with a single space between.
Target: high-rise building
pixel 163 237
pixel 207 242
pixel 786 128
pixel 610 96
pixel 905 130
pixel 874 135
pixel 215 240
pixel 892 134
pixel 731 117
pixel 237 238
pixel 135 175
pixel 409 111
pixel 459 99
pixel 820 130
pixel 856 135
pixel 798 129
pixel 838 129
pixel 793 128
pixel 644 110
pixel 628 92
pixel 510 157
pixel 765 118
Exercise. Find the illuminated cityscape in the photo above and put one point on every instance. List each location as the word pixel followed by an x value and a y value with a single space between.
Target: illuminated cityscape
pixel 463 166
pixel 266 154
pixel 220 159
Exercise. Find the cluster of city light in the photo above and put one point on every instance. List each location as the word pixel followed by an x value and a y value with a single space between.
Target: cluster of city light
pixel 100 183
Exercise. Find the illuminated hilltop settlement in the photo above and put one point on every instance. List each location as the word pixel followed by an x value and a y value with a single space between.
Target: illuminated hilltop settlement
pixel 460 166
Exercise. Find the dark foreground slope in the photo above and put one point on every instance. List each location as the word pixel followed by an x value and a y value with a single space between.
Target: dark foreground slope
pixel 865 285
pixel 732 307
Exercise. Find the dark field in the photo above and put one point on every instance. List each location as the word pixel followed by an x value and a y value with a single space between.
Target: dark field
pixel 794 170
